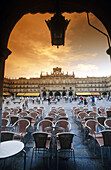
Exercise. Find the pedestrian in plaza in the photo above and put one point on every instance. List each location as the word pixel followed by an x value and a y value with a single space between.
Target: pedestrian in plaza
pixel 93 101
pixel 49 100
pixel 26 102
pixel 85 101
pixel 81 99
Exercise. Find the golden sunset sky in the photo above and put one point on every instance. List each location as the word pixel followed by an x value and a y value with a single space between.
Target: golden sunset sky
pixel 84 51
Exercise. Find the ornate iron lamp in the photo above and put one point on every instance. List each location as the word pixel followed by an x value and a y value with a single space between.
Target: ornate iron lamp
pixel 57 26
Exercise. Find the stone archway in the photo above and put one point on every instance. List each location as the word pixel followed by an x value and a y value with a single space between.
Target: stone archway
pixel 44 94
pixel 11 12
pixel 57 93
pixel 70 93
pixel 64 93
pixel 50 93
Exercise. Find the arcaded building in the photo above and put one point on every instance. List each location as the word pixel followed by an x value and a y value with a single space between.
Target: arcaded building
pixel 57 84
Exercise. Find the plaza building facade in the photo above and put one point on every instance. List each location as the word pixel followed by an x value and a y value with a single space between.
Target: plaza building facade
pixel 57 84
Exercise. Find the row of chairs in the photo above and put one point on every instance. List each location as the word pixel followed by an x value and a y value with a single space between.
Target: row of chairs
pixel 64 143
pixel 43 138
pixel 96 125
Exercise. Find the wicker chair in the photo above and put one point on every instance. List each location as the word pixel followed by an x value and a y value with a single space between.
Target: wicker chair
pixel 34 116
pixel 93 125
pixel 13 119
pixel 65 144
pixel 5 114
pixel 52 114
pixel 42 143
pixel 62 114
pixel 22 114
pixel 30 120
pixel 20 127
pixel 43 124
pixel 4 124
pixel 64 124
pixel 6 135
pixel 49 118
pixel 101 120
pixel 94 114
pixel 104 141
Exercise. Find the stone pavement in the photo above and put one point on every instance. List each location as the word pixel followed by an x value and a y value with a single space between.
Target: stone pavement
pixel 85 157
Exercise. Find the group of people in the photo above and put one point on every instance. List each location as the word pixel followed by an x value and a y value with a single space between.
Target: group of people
pixel 86 100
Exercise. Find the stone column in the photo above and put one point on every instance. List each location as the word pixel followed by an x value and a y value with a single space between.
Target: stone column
pixel 4 53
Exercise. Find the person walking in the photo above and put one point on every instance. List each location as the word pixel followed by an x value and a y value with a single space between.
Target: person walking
pixel 93 101
pixel 48 100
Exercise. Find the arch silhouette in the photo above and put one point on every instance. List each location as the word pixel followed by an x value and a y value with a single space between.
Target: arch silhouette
pixel 13 12
pixel 70 93
pixel 44 93
pixel 57 93
pixel 64 93
pixel 50 93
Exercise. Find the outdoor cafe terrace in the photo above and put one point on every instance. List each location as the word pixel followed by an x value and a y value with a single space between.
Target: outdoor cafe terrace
pixel 58 136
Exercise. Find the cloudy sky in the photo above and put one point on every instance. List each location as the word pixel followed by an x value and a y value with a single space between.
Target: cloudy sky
pixel 84 51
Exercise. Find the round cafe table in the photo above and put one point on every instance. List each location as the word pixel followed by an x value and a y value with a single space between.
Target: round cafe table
pixel 11 148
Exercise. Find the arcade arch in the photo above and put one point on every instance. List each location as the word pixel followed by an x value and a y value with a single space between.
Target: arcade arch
pixel 12 12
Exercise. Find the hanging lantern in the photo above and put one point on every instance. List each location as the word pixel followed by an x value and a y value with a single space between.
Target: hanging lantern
pixel 57 26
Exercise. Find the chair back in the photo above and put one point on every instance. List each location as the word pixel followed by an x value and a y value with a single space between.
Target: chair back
pixel 40 139
pixel 88 111
pixel 49 118
pixel 62 114
pixel 35 108
pixel 101 119
pixel 15 111
pixel 41 107
pixel 107 137
pixel 63 123
pixel 108 112
pixel 52 114
pixel 5 114
pixel 44 123
pixel 22 114
pixel 63 118
pixel 24 108
pixel 81 115
pixel 107 123
pixel 31 110
pixel 65 140
pixel 85 109
pixel 5 122
pixel 28 118
pixel 81 108
pixel 88 118
pixel 13 119
pixel 94 114
pixel 23 124
pixel 33 114
pixel 40 111
pixel 92 124
pixel 6 135
pixel 94 108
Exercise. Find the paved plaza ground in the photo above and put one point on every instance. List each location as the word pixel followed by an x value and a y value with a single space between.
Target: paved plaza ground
pixel 85 157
